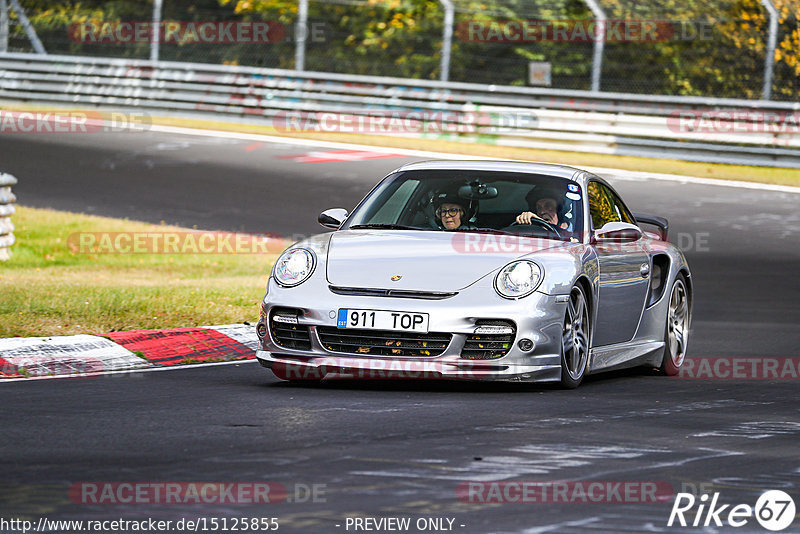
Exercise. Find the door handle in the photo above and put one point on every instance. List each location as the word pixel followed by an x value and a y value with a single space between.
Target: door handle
pixel 644 270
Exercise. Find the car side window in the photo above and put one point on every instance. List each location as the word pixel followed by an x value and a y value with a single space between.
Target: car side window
pixel 623 212
pixel 606 207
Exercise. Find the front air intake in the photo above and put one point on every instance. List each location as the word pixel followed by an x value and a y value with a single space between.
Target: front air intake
pixel 492 339
pixel 285 330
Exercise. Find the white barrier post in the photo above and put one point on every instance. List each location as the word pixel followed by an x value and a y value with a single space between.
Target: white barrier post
pixel 7 200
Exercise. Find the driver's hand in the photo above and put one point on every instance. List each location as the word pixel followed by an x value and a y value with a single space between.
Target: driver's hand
pixel 526 217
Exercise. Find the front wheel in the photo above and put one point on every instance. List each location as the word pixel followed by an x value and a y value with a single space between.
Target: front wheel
pixel 575 337
pixel 676 335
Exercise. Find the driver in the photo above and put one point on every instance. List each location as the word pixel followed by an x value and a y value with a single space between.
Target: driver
pixel 545 206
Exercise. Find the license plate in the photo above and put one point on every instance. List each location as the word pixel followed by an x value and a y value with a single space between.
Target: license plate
pixel 382 320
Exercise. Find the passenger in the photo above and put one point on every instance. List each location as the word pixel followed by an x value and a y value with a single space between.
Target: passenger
pixel 545 206
pixel 451 213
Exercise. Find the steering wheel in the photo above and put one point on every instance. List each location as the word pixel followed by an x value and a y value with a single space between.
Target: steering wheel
pixel 541 222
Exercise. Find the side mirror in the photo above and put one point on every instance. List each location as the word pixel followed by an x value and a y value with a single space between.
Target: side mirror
pixel 332 218
pixel 660 222
pixel 618 232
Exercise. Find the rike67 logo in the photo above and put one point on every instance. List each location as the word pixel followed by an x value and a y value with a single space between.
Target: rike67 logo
pixel 774 510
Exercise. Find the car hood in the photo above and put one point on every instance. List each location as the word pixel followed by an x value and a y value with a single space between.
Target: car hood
pixel 425 260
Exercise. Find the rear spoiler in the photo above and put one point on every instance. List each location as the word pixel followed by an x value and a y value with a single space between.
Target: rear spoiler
pixel 661 222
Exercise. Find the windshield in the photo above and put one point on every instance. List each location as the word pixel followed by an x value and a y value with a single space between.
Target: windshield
pixel 478 201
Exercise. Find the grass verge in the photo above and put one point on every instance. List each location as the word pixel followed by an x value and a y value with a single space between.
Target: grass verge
pixel 50 288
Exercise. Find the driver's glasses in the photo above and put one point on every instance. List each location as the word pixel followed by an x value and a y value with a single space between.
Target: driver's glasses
pixel 452 212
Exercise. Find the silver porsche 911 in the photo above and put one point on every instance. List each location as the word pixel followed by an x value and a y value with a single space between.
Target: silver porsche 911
pixel 479 270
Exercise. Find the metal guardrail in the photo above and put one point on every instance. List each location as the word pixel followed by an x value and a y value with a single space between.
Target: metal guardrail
pixel 689 128
pixel 7 200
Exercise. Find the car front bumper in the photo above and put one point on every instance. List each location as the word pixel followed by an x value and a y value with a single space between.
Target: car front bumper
pixel 537 317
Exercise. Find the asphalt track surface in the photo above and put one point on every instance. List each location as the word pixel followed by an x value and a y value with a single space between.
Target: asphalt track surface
pixel 401 449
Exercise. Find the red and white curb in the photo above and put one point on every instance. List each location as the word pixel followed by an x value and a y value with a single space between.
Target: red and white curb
pixel 85 355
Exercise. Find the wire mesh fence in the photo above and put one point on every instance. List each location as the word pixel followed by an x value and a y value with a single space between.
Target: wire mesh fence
pixel 716 48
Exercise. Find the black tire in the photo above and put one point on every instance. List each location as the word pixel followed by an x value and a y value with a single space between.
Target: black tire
pixel 575 339
pixel 676 330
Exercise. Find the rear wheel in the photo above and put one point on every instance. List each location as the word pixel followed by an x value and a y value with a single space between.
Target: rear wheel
pixel 575 337
pixel 676 335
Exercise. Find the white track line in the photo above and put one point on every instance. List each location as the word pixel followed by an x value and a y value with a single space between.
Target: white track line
pixel 619 173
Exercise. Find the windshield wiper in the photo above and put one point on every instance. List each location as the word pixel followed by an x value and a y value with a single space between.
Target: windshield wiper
pixel 384 226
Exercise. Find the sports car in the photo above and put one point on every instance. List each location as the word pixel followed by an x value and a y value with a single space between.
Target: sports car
pixel 479 270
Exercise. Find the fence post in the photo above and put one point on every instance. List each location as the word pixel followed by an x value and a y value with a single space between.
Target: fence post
pixel 38 47
pixel 301 33
pixel 447 39
pixel 599 43
pixel 3 26
pixel 155 31
pixel 7 200
pixel 772 39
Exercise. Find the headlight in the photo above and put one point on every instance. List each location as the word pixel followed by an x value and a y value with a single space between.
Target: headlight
pixel 294 267
pixel 518 279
